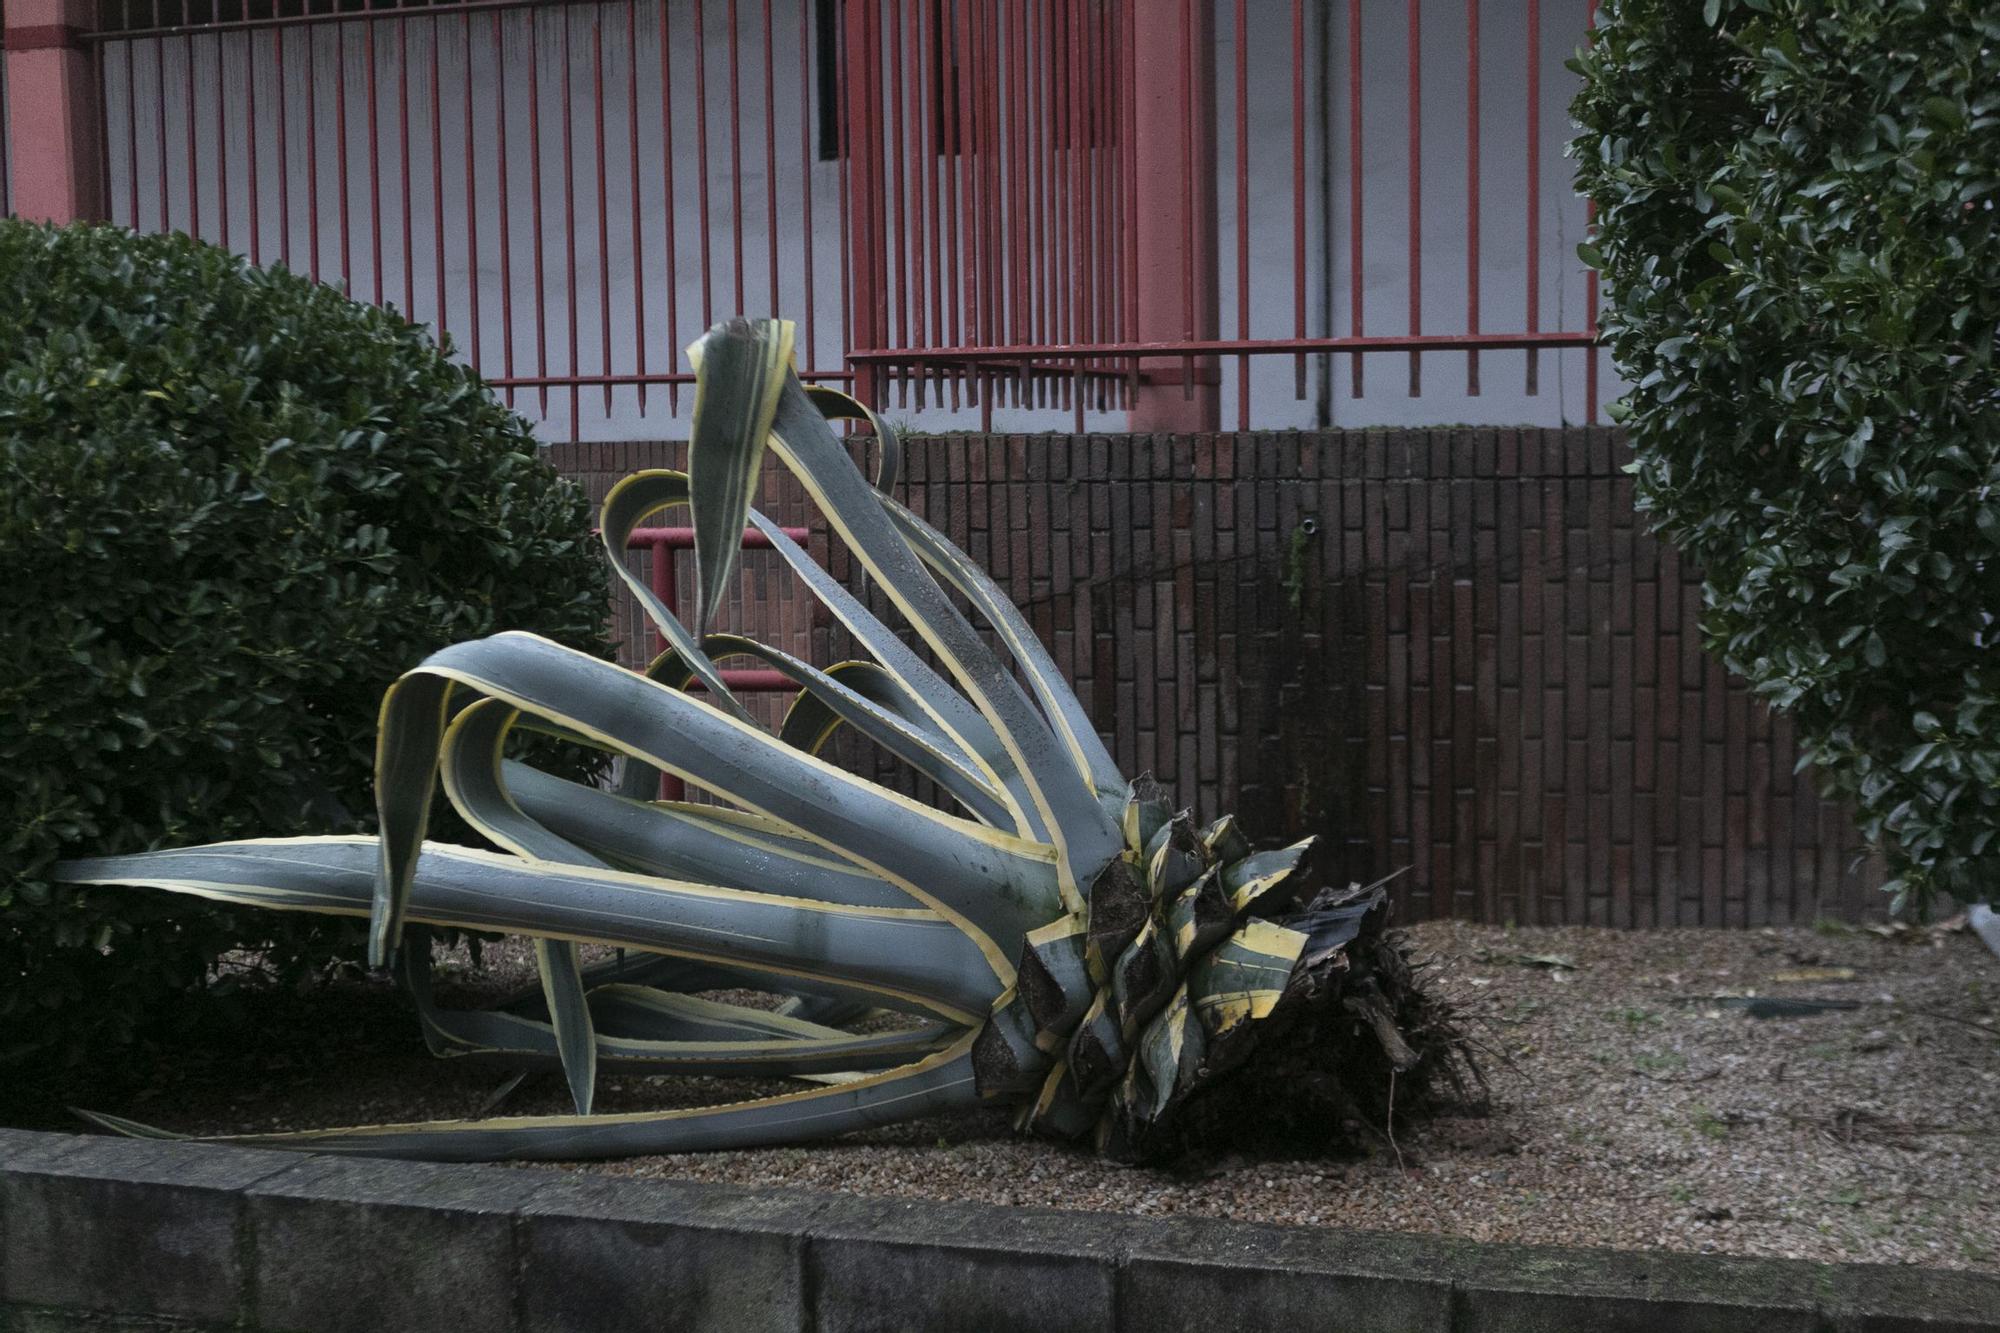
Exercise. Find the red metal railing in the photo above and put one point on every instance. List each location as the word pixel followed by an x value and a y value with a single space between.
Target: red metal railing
pixel 517 173
pixel 1038 245
pixel 946 193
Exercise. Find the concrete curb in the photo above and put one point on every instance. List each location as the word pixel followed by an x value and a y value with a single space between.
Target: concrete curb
pixel 120 1234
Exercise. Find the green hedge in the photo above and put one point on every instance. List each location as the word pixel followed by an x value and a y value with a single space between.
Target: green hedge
pixel 1797 220
pixel 236 506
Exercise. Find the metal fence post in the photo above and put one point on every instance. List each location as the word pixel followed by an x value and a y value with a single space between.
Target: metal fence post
pixel 1174 159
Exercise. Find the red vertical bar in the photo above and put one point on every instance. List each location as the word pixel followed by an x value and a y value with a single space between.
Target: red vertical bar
pixel 638 234
pixel 842 170
pixel 897 270
pixel 1046 224
pixel 312 148
pixel 1189 240
pixel 472 278
pixel 374 162
pixel 989 159
pixel 535 200
pixel 569 224
pixel 701 163
pixel 862 198
pixel 1298 191
pixel 807 101
pixel 222 139
pixel 930 84
pixel 673 274
pixel 912 148
pixel 1534 257
pixel 1472 190
pixel 193 156
pixel 736 155
pixel 284 158
pixel 771 166
pixel 1015 141
pixel 505 198
pixel 1130 231
pixel 131 132
pixel 968 129
pixel 1243 209
pixel 954 147
pixel 340 155
pixel 1416 206
pixel 253 144
pixel 603 203
pixel 1104 251
pixel 437 172
pixel 1591 281
pixel 403 160
pixel 1354 179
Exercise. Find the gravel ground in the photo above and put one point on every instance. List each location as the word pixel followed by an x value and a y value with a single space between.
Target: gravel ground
pixel 1637 1103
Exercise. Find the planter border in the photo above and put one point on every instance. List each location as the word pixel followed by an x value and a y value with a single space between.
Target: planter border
pixel 122 1234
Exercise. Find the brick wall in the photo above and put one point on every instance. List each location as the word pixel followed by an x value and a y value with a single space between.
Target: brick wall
pixel 1454 650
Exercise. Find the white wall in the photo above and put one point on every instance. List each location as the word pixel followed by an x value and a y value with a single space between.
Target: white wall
pixel 324 65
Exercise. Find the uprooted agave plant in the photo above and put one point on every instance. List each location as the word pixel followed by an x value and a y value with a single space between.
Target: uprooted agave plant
pixel 1076 949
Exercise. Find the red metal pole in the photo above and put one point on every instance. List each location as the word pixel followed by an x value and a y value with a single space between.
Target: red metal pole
pixel 403 154
pixel 506 207
pixel 569 221
pixel 535 197
pixel 701 163
pixel 1354 222
pixel 472 278
pixel 1243 209
pixel 1298 191
pixel 603 203
pixel 340 157
pixel 1472 190
pixel 673 274
pixel 1173 128
pixel 1534 256
pixel 638 232
pixel 374 170
pixel 1415 169
pixel 863 135
pixel 1590 282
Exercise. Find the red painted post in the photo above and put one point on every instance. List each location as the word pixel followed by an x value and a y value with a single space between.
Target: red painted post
pixel 1173 131
pixel 52 110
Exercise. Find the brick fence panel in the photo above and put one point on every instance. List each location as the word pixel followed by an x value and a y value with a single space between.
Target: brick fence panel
pixel 1454 650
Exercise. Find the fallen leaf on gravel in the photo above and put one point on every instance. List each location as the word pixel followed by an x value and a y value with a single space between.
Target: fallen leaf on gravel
pixel 1814 974
pixel 1552 961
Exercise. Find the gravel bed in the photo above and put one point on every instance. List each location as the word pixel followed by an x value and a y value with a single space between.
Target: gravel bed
pixel 1636 1103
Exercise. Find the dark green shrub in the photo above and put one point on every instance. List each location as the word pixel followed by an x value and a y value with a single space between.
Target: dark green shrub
pixel 236 506
pixel 1797 218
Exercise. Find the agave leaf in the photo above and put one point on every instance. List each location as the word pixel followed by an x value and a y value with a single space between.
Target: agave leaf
pixel 988 883
pixel 410 731
pixel 920 749
pixel 741 367
pixel 1085 837
pixel 1058 701
pixel 474 744
pixel 632 501
pixel 576 1042
pixel 938 1082
pixel 906 953
pixel 706 843
pixel 936 696
pixel 837 406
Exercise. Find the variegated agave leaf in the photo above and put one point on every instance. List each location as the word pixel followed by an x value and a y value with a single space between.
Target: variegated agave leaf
pixel 1067 943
